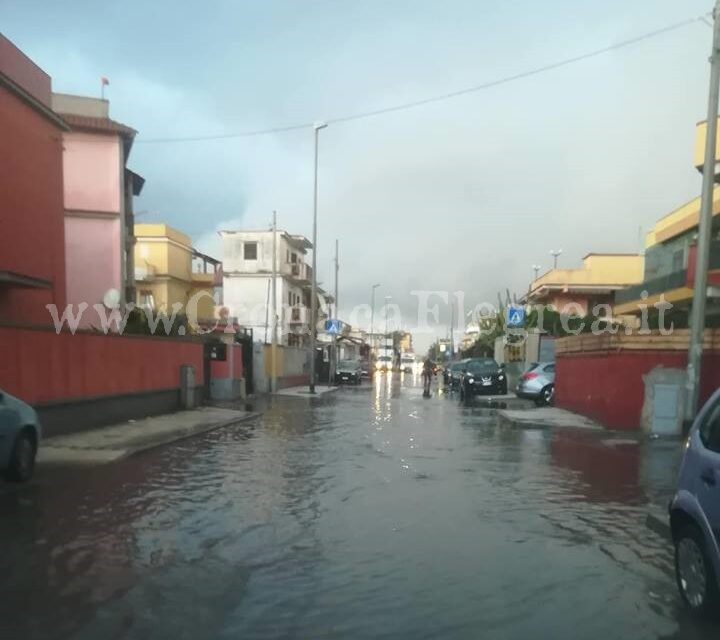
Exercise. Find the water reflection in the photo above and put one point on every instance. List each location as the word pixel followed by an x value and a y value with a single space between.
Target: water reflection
pixel 364 515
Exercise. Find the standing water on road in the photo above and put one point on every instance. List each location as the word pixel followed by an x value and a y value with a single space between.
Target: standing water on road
pixel 374 513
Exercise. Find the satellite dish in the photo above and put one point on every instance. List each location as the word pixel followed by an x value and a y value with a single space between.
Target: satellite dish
pixel 111 299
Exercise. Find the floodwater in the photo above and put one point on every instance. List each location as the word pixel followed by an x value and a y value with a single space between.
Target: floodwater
pixel 373 513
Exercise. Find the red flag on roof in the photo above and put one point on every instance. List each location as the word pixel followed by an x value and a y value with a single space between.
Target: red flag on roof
pixel 104 81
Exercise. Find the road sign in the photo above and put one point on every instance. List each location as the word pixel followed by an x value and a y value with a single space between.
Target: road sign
pixel 515 317
pixel 333 327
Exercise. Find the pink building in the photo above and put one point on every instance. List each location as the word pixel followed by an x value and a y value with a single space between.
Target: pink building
pixel 98 195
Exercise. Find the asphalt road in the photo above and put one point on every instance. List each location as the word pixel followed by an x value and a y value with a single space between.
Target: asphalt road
pixel 374 513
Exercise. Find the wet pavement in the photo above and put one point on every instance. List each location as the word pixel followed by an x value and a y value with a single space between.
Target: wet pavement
pixel 373 513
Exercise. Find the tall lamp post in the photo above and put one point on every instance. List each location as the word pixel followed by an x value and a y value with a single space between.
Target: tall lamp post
pixel 536 269
pixel 697 311
pixel 372 312
pixel 555 253
pixel 387 299
pixel 313 289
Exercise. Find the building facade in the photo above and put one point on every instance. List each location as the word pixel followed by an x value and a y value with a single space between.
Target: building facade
pixel 670 250
pixel 247 284
pixel 98 194
pixel 32 239
pixel 577 291
pixel 170 272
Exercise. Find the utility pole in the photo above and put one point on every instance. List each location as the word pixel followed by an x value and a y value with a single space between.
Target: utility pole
pixel 697 317
pixel 372 313
pixel 273 344
pixel 313 288
pixel 452 336
pixel 335 338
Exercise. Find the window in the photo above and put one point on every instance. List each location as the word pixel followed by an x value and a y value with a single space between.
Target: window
pixel 146 300
pixel 550 368
pixel 250 250
pixel 293 258
pixel 710 429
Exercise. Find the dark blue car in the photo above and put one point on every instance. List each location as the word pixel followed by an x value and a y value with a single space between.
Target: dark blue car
pixel 695 514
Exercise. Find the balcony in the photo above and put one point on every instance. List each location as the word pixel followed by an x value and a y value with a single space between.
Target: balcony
pixel 676 286
pixel 144 272
pixel 297 271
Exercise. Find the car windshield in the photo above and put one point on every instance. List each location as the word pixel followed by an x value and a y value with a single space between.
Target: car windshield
pixel 348 364
pixel 385 358
pixel 481 366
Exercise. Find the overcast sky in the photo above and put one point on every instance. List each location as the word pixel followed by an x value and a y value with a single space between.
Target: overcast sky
pixel 466 194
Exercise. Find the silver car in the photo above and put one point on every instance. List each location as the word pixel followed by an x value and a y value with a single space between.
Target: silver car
pixel 19 438
pixel 538 383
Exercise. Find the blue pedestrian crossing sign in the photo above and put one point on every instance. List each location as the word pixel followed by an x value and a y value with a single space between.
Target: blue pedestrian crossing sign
pixel 333 327
pixel 515 318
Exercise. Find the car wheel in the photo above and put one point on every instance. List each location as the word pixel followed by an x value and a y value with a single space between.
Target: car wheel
pixel 547 395
pixel 22 460
pixel 694 572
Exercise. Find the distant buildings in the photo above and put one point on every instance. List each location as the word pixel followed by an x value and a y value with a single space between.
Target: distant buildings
pixel 577 291
pixel 168 271
pixel 247 280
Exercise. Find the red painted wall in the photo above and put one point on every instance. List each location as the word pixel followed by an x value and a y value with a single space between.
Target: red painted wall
pixel 609 387
pixel 40 366
pixel 232 367
pixel 32 236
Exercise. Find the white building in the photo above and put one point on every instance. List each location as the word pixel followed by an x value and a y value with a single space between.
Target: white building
pixel 247 276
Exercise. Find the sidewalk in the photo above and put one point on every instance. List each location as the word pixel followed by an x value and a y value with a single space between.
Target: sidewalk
pixel 304 391
pixel 108 444
pixel 545 418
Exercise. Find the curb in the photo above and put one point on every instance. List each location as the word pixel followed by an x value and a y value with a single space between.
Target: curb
pixel 69 456
pixel 657 520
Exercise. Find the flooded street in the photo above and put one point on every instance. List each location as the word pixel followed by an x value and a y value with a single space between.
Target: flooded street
pixel 373 513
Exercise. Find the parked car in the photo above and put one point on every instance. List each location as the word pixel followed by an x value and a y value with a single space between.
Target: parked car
pixel 538 383
pixel 348 372
pixel 453 374
pixel 695 514
pixel 365 368
pixel 482 376
pixel 19 438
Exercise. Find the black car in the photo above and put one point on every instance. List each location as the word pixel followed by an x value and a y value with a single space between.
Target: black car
pixel 348 372
pixel 453 373
pixel 482 376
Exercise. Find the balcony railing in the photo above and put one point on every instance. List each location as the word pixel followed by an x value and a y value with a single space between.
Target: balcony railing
pixel 674 280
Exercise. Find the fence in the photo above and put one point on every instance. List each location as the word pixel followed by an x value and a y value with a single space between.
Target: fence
pixel 603 376
pixel 86 379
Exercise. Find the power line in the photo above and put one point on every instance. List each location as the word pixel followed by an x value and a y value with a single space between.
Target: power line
pixel 442 97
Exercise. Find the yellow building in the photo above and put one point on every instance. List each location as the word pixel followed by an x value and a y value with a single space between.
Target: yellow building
pixel 169 271
pixel 577 291
pixel 670 253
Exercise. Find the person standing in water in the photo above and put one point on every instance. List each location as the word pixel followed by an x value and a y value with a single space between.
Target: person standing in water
pixel 427 374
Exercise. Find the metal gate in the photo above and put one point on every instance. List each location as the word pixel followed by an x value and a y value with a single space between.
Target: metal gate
pixel 244 337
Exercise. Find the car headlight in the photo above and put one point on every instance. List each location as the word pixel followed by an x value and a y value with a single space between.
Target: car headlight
pixel 501 377
pixel 471 380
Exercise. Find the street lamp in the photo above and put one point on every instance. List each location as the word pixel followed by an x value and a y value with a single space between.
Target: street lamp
pixel 536 269
pixel 387 299
pixel 372 311
pixel 313 290
pixel 555 253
